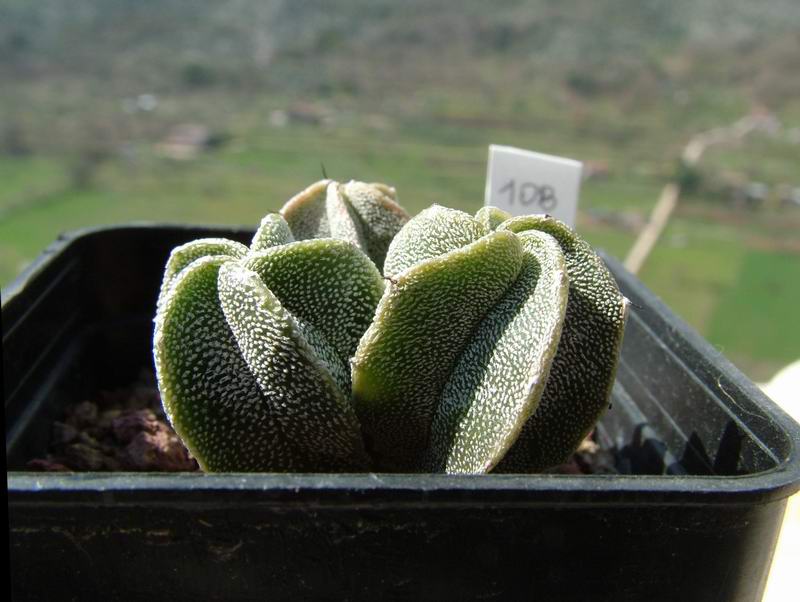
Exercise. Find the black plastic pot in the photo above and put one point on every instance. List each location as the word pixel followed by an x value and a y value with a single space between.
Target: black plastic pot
pixel 711 462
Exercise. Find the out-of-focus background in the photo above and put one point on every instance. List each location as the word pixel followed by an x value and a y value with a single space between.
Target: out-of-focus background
pixel 218 111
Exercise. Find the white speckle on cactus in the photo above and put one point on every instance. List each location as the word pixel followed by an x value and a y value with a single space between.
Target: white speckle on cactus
pixel 272 231
pixel 183 256
pixel 434 232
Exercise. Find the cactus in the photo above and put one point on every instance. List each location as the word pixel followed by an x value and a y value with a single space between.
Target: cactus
pixel 366 215
pixel 489 343
pixel 585 365
pixel 516 331
pixel 444 375
pixel 252 345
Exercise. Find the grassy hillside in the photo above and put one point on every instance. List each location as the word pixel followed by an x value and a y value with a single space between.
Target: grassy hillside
pixel 411 93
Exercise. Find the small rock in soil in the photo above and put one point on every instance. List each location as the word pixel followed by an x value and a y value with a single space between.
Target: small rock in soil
pixel 589 458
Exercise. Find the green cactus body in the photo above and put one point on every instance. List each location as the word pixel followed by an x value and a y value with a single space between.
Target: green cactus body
pixel 434 232
pixel 501 374
pixel 366 215
pixel 253 373
pixel 491 217
pixel 272 231
pixel 378 215
pixel 458 353
pixel 583 370
pixel 184 255
pixel 326 284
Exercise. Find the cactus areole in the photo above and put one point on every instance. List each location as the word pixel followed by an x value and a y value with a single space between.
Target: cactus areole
pixel 348 337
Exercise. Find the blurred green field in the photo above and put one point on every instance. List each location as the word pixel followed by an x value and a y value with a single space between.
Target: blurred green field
pixel 238 184
pixel 742 297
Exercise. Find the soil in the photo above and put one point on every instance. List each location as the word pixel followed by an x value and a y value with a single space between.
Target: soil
pixel 120 430
pixel 126 430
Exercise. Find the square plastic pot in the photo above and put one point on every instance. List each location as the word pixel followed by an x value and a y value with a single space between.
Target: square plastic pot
pixel 707 464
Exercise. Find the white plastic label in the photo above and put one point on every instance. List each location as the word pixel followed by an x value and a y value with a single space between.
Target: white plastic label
pixel 523 182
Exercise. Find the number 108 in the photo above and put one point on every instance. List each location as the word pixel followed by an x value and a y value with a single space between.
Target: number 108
pixel 529 194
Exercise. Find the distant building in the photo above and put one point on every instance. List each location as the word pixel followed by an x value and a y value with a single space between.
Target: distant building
pixel 310 114
pixel 790 197
pixel 184 142
pixel 596 170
